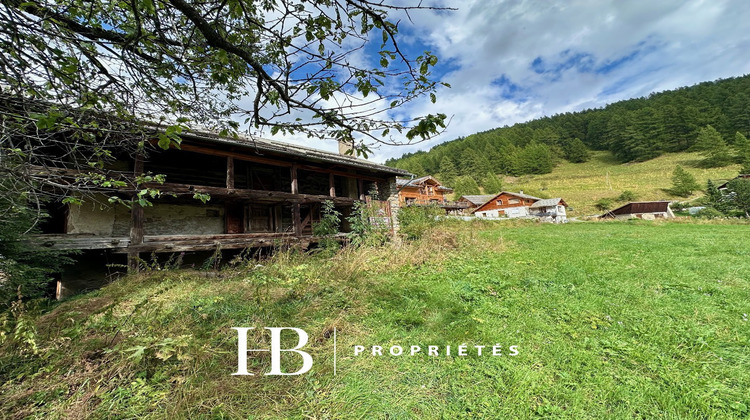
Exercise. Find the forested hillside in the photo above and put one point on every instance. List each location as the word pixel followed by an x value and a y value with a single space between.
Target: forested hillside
pixel 711 117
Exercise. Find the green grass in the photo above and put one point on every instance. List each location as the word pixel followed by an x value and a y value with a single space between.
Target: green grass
pixel 582 184
pixel 612 320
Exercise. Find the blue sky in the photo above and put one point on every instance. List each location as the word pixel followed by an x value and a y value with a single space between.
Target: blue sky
pixel 513 61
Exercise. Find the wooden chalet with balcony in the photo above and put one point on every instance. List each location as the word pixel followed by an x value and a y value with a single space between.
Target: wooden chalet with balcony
pixel 421 191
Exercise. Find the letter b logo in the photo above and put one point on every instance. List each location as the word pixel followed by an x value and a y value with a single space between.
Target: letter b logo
pixel 275 350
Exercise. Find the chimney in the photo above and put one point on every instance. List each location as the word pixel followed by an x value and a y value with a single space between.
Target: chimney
pixel 346 146
pixel 521 192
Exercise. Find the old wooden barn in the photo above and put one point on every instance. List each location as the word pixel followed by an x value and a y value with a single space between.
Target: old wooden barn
pixel 262 193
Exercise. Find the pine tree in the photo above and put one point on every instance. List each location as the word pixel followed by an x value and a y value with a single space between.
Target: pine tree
pixel 492 184
pixel 740 197
pixel 715 150
pixel 683 184
pixel 575 151
pixel 465 185
pixel 448 172
pixel 742 152
pixel 715 198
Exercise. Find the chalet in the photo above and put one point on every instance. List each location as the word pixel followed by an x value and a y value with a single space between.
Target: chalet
pixel 262 193
pixel 474 201
pixel 646 210
pixel 516 205
pixel 421 191
pixel 506 204
pixel 549 210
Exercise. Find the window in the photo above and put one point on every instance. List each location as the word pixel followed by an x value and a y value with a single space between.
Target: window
pixel 514 201
pixel 499 202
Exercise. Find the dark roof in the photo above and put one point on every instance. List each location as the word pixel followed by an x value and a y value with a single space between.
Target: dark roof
pixel 476 199
pixel 740 176
pixel 307 153
pixel 417 182
pixel 639 207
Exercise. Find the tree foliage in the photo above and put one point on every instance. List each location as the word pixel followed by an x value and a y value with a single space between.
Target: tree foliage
pixel 713 147
pixel 286 65
pixel 465 185
pixel 683 183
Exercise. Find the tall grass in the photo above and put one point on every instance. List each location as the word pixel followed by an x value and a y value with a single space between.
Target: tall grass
pixel 613 320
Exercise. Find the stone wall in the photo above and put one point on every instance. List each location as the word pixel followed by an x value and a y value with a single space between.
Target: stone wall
pixel 388 191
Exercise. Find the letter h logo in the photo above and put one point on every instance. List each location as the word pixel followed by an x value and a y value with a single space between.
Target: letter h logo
pixel 275 350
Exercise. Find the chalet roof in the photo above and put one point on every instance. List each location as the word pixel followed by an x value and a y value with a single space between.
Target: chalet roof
pixel 307 153
pixel 417 182
pixel 639 207
pixel 740 176
pixel 518 194
pixel 477 199
pixel 547 202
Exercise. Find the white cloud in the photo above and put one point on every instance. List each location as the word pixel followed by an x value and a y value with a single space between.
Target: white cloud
pixel 588 54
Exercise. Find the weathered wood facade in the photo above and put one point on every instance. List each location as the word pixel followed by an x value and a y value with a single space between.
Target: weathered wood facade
pixel 261 192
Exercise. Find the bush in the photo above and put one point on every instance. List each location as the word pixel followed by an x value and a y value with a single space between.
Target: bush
pixel 627 195
pixel 414 221
pixel 604 204
pixel 710 213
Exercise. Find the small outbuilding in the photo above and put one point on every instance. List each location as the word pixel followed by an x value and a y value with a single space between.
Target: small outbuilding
pixel 473 201
pixel 646 210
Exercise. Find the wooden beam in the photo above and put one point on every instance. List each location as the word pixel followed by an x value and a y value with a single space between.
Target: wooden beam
pixel 296 215
pixel 274 162
pixel 136 219
pixel 361 188
pixel 230 172
pixel 243 194
pixel 331 185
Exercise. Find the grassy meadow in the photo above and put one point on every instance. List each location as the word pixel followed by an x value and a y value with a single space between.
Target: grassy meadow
pixel 582 184
pixel 611 320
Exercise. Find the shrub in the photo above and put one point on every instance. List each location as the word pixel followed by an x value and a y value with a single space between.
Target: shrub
pixel 604 204
pixel 416 220
pixel 627 195
pixel 710 213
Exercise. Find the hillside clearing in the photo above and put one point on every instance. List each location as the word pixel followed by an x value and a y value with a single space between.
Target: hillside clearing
pixel 582 184
pixel 612 320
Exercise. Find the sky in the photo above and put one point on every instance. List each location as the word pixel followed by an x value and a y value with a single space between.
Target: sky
pixel 514 61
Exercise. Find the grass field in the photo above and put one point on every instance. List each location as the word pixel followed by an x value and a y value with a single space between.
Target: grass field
pixel 582 184
pixel 611 320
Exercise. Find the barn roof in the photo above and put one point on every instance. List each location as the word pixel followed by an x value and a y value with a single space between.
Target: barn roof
pixel 477 199
pixel 271 146
pixel 548 202
pixel 639 207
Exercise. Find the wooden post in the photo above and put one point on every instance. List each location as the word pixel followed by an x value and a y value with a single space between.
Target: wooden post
pixel 136 220
pixel 296 212
pixel 295 184
pixel 230 172
pixel 361 187
pixel 297 219
pixel 331 186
